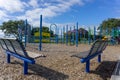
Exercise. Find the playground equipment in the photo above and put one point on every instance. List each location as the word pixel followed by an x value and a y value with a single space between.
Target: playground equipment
pixel 69 35
pixel 66 36
pixel 53 37
pixel 14 47
pixel 40 43
pixel 74 37
pixel 112 35
pixel 96 50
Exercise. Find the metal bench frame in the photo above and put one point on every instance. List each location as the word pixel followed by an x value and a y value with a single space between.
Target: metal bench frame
pixel 10 50
pixel 100 46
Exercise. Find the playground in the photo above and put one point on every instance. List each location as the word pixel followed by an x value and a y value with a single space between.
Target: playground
pixel 59 65
pixel 57 47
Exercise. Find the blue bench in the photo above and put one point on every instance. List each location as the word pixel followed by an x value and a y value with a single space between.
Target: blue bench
pixel 13 47
pixel 97 48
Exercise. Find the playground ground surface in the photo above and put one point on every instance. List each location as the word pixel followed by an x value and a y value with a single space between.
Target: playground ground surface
pixel 58 65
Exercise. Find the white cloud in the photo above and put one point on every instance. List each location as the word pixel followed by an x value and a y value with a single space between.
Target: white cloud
pixel 3 16
pixel 33 3
pixel 48 9
pixel 32 9
pixel 12 5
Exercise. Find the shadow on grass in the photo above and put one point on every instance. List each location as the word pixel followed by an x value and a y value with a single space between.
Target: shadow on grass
pixel 105 69
pixel 45 72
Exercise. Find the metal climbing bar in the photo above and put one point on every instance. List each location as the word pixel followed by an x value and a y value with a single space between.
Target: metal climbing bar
pixel 77 34
pixel 40 32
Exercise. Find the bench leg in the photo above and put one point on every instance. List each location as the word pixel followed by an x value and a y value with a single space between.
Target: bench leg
pixel 99 58
pixel 25 67
pixel 8 58
pixel 88 66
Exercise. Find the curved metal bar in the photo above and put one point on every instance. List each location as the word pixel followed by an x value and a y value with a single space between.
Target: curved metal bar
pixel 56 38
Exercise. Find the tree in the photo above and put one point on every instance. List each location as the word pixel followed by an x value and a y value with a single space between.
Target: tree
pixel 109 24
pixel 11 27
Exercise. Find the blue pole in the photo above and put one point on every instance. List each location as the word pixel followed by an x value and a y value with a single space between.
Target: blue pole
pixel 56 35
pixel 19 33
pixel 40 43
pixel 8 58
pixel 89 36
pixel 76 34
pixel 25 32
pixel 107 32
pixel 84 36
pixel 88 66
pixel 80 36
pixel 101 32
pixel 50 34
pixel 67 35
pixel 25 67
pixel 63 34
pixel 70 35
pixel 33 35
pixel 113 32
pixel 94 33
pixel 99 58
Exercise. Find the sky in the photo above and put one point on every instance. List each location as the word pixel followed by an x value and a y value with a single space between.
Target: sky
pixel 61 12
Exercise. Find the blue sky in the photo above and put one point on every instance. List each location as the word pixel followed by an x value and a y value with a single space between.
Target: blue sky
pixel 61 12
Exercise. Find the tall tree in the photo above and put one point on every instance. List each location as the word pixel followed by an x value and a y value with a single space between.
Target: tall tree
pixel 109 24
pixel 11 27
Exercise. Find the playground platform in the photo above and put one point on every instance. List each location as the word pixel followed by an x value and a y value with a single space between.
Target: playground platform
pixel 116 73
